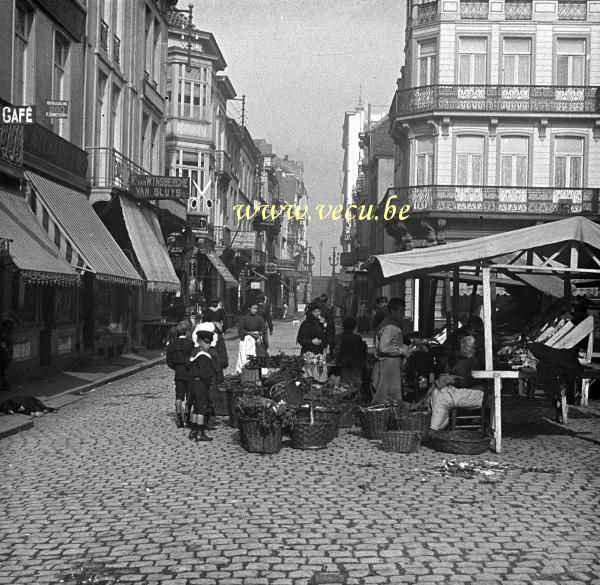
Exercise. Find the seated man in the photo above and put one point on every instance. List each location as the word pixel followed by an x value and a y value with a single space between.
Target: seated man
pixel 455 389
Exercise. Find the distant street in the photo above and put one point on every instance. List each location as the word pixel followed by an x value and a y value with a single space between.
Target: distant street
pixel 108 491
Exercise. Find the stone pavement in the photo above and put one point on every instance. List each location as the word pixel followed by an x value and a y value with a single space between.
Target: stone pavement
pixel 107 490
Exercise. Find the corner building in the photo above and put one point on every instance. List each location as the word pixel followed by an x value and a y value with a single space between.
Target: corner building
pixel 496 118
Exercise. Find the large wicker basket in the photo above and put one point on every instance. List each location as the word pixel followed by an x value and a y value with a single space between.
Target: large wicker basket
pixel 255 440
pixel 312 436
pixel 461 442
pixel 412 421
pixel 375 420
pixel 401 441
pixel 218 398
pixel 232 394
pixel 321 415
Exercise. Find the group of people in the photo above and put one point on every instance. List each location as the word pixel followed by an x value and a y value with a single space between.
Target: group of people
pixel 198 357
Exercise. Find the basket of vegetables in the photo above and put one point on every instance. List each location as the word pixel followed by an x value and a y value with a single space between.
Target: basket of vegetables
pixel 233 395
pixel 375 420
pixel 261 422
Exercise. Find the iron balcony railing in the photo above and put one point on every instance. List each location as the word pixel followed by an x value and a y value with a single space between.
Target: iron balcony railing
pixel 518 9
pixel 427 12
pixel 498 98
pixel 104 36
pixel 222 163
pixel 572 10
pixel 474 9
pixel 535 200
pixel 109 168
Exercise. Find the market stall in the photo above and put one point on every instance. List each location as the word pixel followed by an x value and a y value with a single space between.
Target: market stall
pixel 550 257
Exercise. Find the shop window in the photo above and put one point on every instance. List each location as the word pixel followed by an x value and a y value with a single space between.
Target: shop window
pixel 25 301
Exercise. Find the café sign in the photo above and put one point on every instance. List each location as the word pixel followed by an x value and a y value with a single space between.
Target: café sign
pixel 18 114
pixel 158 187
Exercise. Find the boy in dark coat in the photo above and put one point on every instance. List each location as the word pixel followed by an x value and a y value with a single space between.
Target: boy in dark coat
pixel 201 374
pixel 349 351
pixel 178 355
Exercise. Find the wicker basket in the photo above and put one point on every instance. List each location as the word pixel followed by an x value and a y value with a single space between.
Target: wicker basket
pixel 375 420
pixel 461 442
pixel 232 394
pixel 401 441
pixel 321 415
pixel 218 398
pixel 254 440
pixel 311 436
pixel 412 421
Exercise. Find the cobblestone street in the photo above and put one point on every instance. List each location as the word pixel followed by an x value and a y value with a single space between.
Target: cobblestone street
pixel 107 490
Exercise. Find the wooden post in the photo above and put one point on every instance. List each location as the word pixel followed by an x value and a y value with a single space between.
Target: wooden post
pixel 487 319
pixel 448 306
pixel 455 296
pixel 497 417
pixel 474 294
pixel 416 307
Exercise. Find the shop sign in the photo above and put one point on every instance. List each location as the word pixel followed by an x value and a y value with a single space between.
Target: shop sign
pixel 158 187
pixel 285 265
pixel 18 114
pixel 198 223
pixel 255 285
pixel 271 268
pixel 244 240
pixel 57 109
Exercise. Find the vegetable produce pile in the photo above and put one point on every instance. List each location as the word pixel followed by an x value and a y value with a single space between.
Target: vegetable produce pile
pixel 517 356
pixel 292 363
pixel 268 412
pixel 314 359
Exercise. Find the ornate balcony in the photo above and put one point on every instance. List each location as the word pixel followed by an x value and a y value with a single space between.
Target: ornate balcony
pixel 572 10
pixel 108 168
pixel 480 199
pixel 474 9
pixel 427 12
pixel 498 98
pixel 518 9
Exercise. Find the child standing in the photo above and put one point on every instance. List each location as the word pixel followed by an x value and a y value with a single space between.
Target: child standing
pixel 201 373
pixel 178 355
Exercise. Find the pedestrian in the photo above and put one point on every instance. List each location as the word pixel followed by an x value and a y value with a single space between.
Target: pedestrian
pixel 350 352
pixel 390 352
pixel 254 340
pixel 178 356
pixel 201 375
pixel 214 313
pixel 264 310
pixel 284 311
pixel 380 312
pixel 313 334
pixel 364 318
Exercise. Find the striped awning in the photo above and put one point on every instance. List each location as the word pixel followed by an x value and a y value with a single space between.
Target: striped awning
pixel 30 248
pixel 90 245
pixel 230 281
pixel 149 247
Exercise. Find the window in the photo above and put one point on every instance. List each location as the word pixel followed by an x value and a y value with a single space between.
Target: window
pixel 116 117
pixel 148 47
pixel 516 64
pixel 146 145
pixel 60 82
pixel 426 57
pixel 23 58
pixel 156 54
pixel 424 154
pixel 101 128
pixel 568 162
pixel 193 165
pixel 469 160
pixel 570 62
pixel 472 60
pixel 514 161
pixel 194 94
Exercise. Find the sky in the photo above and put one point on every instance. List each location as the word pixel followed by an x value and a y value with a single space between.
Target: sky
pixel 301 65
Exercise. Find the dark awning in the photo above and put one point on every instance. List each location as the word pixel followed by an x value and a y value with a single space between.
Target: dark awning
pixel 147 241
pixel 89 237
pixel 31 250
pixel 230 281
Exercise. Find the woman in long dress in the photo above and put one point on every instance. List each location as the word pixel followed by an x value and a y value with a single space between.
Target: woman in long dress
pixel 254 340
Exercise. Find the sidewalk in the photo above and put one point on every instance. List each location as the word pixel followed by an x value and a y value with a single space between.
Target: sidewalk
pixel 56 389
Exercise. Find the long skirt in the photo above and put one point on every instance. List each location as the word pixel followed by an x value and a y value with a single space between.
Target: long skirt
pixel 387 380
pixel 443 400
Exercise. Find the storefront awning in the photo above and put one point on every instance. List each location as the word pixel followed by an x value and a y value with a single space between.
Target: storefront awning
pixel 31 250
pixel 230 281
pixel 149 246
pixel 94 248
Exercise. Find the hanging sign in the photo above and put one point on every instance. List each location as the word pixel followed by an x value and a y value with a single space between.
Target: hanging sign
pixel 57 109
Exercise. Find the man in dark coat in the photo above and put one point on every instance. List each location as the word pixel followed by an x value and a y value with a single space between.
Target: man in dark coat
pixel 349 351
pixel 264 311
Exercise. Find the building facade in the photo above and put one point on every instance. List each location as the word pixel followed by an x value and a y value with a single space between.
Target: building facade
pixel 496 118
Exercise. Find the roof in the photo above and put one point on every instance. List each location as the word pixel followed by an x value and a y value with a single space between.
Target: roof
pixel 77 219
pixel 31 249
pixel 502 248
pixel 150 249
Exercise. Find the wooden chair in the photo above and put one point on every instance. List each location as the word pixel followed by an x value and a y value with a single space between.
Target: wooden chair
pixel 468 418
